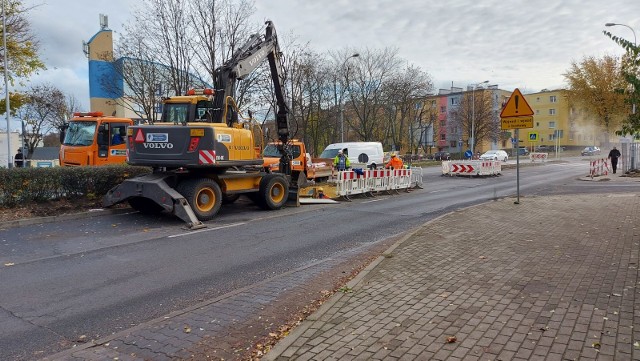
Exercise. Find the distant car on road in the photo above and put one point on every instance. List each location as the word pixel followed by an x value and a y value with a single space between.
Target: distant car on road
pixel 441 156
pixel 495 155
pixel 590 151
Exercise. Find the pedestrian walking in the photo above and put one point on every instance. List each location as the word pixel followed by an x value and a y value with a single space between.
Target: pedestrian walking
pixel 19 159
pixel 341 161
pixel 614 154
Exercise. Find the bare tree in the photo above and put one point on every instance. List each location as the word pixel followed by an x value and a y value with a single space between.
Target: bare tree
pixel 41 112
pixel 366 100
pixel 405 93
pixel 477 110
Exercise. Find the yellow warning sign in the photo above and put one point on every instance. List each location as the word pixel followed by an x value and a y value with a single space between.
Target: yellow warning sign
pixel 516 106
pixel 517 123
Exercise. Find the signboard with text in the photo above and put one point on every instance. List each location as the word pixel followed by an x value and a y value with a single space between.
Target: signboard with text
pixel 516 113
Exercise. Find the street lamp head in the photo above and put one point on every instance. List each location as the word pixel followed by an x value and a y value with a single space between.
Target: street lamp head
pixel 355 55
pixel 610 24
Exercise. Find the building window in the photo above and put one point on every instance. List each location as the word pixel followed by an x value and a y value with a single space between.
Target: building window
pixel 552 125
pixel 552 112
pixel 455 101
pixel 443 109
pixel 443 124
pixel 453 144
pixel 537 111
pixel 553 99
pixel 538 99
pixel 443 137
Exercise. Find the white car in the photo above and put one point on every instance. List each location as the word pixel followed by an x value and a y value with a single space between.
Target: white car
pixel 495 155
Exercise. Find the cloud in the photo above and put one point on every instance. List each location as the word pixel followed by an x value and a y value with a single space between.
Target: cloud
pixel 517 43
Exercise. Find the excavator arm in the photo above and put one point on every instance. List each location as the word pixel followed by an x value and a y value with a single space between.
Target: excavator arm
pixel 245 60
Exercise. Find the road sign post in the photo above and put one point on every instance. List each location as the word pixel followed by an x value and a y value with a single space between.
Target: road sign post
pixel 517 114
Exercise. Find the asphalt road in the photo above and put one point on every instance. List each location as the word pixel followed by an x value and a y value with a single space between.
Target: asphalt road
pixel 96 276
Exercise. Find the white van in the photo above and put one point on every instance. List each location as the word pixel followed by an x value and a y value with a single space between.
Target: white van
pixel 361 154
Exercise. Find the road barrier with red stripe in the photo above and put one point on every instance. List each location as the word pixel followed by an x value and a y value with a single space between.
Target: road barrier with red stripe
pixel 471 167
pixel 538 156
pixel 598 167
pixel 376 180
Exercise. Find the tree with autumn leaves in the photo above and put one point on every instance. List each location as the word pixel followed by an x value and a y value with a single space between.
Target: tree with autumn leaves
pixel 607 88
pixel 630 71
pixel 22 52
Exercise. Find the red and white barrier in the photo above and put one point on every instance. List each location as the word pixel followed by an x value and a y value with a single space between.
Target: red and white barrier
pixel 598 167
pixel 376 180
pixel 471 167
pixel 538 156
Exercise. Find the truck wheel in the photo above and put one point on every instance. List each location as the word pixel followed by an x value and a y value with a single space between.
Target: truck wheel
pixel 274 191
pixel 204 197
pixel 145 205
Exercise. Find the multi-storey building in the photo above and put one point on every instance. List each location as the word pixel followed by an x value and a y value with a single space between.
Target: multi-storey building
pixel 558 123
pixel 451 135
pixel 555 121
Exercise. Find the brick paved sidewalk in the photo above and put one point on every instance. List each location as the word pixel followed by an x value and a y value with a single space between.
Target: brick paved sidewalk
pixel 553 278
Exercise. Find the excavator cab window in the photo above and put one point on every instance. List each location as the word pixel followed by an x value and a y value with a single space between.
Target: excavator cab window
pixel 176 113
pixel 204 111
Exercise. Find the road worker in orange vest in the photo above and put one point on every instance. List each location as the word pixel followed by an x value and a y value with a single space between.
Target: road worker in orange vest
pixel 395 162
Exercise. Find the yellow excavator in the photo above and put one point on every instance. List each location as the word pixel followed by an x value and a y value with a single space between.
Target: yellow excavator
pixel 201 154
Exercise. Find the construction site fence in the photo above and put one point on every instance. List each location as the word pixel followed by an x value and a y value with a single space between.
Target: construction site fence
pixel 598 167
pixel 535 156
pixel 350 182
pixel 471 167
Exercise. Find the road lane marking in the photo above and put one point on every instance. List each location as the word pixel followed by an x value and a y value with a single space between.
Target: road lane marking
pixel 207 230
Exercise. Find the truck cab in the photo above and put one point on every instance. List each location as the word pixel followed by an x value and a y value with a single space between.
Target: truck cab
pixel 93 139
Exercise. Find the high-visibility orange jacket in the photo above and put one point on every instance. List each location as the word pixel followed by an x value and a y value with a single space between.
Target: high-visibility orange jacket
pixel 395 163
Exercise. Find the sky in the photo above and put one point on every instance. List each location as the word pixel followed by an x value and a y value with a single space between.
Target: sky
pixel 525 44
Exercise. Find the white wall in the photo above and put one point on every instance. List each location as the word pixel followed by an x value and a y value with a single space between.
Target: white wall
pixel 5 156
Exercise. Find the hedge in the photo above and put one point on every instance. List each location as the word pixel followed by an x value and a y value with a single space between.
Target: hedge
pixel 25 185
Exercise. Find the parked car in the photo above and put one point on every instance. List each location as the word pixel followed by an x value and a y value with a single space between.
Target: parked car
pixel 495 154
pixel 523 151
pixel 441 156
pixel 590 151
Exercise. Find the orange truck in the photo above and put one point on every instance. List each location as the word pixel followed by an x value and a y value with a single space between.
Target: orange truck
pixel 93 139
pixel 317 169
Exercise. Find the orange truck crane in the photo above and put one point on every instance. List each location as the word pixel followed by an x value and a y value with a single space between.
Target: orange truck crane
pixel 93 139
pixel 199 151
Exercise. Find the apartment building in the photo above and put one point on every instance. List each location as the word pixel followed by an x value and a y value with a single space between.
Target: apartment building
pixel 559 123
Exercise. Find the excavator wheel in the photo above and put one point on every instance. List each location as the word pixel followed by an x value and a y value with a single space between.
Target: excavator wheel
pixel 145 205
pixel 204 196
pixel 274 191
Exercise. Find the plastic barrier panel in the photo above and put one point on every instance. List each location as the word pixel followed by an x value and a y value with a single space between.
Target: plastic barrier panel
pixel 472 167
pixel 538 156
pixel 599 167
pixel 416 177
pixel 446 166
pixel 401 178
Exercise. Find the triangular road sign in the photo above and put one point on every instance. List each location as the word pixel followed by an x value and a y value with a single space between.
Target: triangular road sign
pixel 516 106
pixel 139 137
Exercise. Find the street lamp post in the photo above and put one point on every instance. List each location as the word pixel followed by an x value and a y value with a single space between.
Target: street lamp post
pixel 6 82
pixel 633 106
pixel 355 55
pixel 473 115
